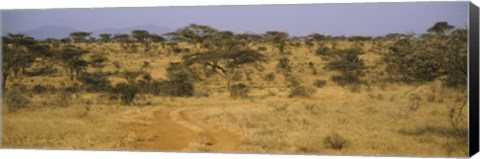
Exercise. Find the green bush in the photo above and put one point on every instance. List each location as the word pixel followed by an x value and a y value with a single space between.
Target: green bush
pixel 349 65
pixel 95 82
pixel 269 77
pixel 126 91
pixel 284 67
pixel 319 83
pixel 38 88
pixel 239 90
pixel 178 85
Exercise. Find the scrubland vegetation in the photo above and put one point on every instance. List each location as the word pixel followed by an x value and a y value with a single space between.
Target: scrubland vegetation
pixel 202 89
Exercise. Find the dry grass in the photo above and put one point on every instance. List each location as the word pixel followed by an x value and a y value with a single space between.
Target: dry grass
pixel 382 119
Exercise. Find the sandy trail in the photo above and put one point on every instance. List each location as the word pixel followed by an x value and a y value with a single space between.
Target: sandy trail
pixel 179 129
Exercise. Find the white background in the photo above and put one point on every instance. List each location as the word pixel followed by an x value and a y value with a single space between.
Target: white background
pixel 49 154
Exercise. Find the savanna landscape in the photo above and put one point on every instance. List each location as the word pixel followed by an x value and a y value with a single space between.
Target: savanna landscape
pixel 201 89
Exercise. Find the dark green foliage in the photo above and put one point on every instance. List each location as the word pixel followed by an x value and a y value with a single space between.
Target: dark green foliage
pixel 106 38
pixel 39 89
pixel 284 67
pixel 349 65
pixel 239 90
pixel 42 71
pixel 95 82
pixel 193 34
pixel 126 91
pixel 278 39
pixel 269 77
pixel 178 85
pixel 80 37
pixel 70 57
pixel 224 63
pixel 98 60
pixel 319 83
pixel 439 54
pixel 18 52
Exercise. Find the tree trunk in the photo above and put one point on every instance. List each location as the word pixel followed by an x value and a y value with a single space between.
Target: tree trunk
pixel 4 80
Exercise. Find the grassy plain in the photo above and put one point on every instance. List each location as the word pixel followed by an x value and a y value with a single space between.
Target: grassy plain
pixel 379 119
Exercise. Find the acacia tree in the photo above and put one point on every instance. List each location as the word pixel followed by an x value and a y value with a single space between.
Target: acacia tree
pixel 278 39
pixel 80 37
pixel 70 56
pixel 158 39
pixel 144 38
pixel 19 51
pixel 248 39
pixel 225 63
pixel 194 34
pixel 65 41
pixel 123 39
pixel 105 38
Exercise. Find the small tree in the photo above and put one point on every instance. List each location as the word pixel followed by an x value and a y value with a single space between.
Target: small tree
pixel 224 63
pixel 105 38
pixel 80 37
pixel 284 67
pixel 70 57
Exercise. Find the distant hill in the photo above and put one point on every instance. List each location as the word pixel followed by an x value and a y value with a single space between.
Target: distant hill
pixel 50 31
pixel 151 28
pixel 53 31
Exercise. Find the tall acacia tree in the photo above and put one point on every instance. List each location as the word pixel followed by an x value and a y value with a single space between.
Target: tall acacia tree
pixel 19 51
pixel 71 58
pixel 194 34
pixel 144 38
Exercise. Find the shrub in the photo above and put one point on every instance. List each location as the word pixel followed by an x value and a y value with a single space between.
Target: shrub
pixel 299 90
pixel 335 141
pixel 43 71
pixel 179 85
pixel 269 77
pixel 95 81
pixel 126 91
pixel 348 63
pixel 284 67
pixel 319 83
pixel 239 90
pixel 15 100
pixel 39 89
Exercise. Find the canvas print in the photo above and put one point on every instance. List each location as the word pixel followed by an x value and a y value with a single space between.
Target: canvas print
pixel 376 79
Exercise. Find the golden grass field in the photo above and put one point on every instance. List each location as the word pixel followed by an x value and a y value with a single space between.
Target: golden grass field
pixel 388 119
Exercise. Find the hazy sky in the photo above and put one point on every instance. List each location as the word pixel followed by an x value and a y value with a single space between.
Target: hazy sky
pixel 331 19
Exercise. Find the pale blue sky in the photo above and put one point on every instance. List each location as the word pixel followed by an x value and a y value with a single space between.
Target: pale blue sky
pixel 331 19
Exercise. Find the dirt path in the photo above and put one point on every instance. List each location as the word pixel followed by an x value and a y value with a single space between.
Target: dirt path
pixel 183 130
